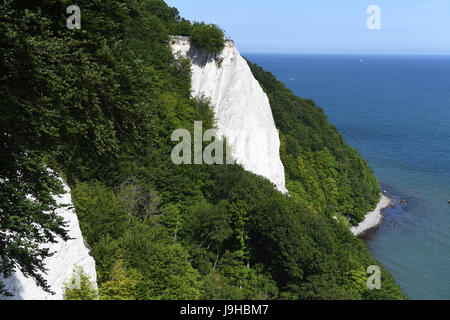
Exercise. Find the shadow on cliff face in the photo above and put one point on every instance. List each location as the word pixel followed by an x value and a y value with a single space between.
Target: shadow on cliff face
pixel 200 57
pixel 13 286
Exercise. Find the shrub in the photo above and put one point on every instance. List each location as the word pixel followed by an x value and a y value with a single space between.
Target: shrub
pixel 208 37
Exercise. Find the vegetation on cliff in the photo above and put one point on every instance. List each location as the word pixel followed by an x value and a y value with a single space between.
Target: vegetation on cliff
pixel 322 170
pixel 98 105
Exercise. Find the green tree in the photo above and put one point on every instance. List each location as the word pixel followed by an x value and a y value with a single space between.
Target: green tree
pixel 99 211
pixel 171 219
pixel 208 37
pixel 122 283
pixel 105 253
pixel 164 265
pixel 212 225
pixel 240 217
pixel 80 287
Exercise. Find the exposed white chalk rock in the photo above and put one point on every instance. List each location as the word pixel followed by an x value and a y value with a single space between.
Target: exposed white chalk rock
pixel 241 107
pixel 60 266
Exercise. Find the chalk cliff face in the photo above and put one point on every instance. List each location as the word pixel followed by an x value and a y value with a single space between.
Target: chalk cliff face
pixel 60 266
pixel 242 109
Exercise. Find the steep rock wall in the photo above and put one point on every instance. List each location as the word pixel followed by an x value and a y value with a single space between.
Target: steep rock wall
pixel 242 109
pixel 60 266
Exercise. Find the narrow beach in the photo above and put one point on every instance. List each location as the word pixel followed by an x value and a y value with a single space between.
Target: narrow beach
pixel 373 218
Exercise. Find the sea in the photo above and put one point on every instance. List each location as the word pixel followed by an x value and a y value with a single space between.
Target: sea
pixel 395 110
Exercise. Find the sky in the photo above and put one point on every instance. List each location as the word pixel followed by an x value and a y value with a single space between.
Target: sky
pixel 327 26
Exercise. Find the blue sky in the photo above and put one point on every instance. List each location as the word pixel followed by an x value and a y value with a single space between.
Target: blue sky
pixel 327 26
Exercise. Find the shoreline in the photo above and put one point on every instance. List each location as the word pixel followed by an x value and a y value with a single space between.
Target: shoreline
pixel 373 219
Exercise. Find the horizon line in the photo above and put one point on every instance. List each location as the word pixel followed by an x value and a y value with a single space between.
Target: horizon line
pixel 344 53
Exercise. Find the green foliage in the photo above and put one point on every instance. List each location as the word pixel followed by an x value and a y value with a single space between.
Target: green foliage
pixel 210 224
pixel 208 37
pixel 105 252
pixel 171 219
pixel 163 264
pixel 80 286
pixel 122 285
pixel 322 170
pixel 303 252
pixel 99 212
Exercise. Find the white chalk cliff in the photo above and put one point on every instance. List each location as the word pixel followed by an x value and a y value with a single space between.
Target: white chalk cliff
pixel 241 107
pixel 60 266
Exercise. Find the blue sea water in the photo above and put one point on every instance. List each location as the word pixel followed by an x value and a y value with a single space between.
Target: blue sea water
pixel 395 110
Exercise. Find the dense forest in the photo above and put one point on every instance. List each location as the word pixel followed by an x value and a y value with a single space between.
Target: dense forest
pixel 98 105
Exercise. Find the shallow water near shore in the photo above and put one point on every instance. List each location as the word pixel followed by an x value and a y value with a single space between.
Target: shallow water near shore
pixel 395 110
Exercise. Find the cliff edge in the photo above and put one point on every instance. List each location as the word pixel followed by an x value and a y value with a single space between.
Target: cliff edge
pixel 241 107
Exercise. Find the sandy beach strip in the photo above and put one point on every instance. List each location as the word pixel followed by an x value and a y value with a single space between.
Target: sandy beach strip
pixel 373 219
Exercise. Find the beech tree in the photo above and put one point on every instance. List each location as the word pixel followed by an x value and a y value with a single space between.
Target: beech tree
pixel 122 283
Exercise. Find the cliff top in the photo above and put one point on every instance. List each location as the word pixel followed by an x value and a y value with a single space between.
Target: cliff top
pixel 187 39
